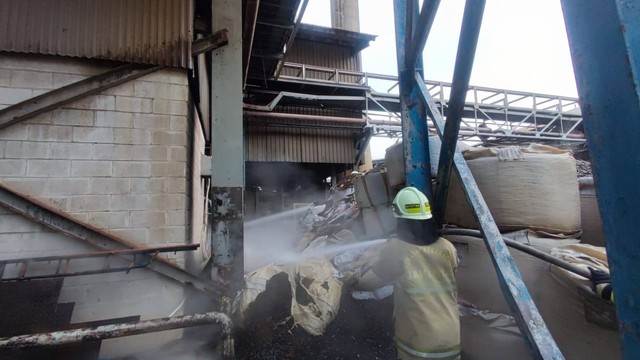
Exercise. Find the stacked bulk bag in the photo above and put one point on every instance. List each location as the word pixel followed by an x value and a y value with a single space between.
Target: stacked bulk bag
pixel 533 187
pixel 394 160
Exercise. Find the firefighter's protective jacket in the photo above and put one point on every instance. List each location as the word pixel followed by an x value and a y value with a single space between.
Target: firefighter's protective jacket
pixel 427 324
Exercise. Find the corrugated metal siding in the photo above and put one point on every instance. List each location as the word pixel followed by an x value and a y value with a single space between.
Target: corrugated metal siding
pixel 324 55
pixel 141 31
pixel 291 144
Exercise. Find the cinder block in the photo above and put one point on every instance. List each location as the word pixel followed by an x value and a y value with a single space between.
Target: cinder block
pixel 151 121
pixel 124 89
pixel 178 154
pixel 130 169
pixel 91 168
pixel 157 153
pixel 173 76
pixel 3 147
pixel 168 137
pixel 44 118
pixel 168 201
pixel 40 132
pixel 26 149
pixel 168 169
pixel 94 102
pixel 10 96
pixel 133 104
pixel 168 234
pixel 170 107
pixel 148 186
pixel 177 185
pixel 147 219
pixel 132 136
pixel 109 219
pixel 139 236
pixel 130 202
pixel 177 217
pixel 14 132
pixel 68 186
pixel 93 135
pixel 29 186
pixel 73 117
pixel 70 151
pixel 17 224
pixel 58 202
pixel 179 123
pixel 61 80
pixel 110 186
pixel 112 152
pixel 31 79
pixel 153 90
pixel 81 203
pixel 80 216
pixel 179 92
pixel 5 77
pixel 49 168
pixel 113 119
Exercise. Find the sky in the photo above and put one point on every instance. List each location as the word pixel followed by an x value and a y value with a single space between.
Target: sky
pixel 522 46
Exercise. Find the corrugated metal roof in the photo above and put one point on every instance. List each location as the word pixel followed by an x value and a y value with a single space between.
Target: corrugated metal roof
pixel 141 31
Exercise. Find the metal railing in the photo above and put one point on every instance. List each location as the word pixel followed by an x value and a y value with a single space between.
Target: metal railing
pixel 489 113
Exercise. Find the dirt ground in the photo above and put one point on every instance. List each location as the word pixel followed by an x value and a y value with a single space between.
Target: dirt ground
pixel 361 330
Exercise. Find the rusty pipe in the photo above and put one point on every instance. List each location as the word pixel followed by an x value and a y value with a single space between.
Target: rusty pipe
pixel 66 337
pixel 526 249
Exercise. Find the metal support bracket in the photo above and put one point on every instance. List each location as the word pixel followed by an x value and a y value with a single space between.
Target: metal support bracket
pixel 210 42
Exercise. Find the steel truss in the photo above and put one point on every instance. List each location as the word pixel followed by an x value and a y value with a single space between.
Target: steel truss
pixel 488 114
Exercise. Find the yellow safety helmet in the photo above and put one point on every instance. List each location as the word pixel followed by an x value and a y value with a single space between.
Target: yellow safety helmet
pixel 410 203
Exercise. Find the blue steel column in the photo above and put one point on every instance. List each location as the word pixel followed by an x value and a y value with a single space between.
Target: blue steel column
pixel 604 38
pixel 471 22
pixel 414 125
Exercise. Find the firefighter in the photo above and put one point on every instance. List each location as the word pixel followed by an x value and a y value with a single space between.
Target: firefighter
pixel 422 267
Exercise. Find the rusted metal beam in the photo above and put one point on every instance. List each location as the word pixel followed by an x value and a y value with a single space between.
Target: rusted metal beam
pixel 210 42
pixel 61 222
pixel 137 258
pixel 66 337
pixel 55 98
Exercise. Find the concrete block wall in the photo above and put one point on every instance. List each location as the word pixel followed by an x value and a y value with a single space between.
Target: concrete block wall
pixel 118 160
pixel 96 297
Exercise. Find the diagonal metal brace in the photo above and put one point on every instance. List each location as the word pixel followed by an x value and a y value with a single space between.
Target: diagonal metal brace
pixel 55 98
pixel 529 320
pixel 60 222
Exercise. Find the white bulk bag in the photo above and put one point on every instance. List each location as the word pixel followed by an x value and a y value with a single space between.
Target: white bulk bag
pixel 533 187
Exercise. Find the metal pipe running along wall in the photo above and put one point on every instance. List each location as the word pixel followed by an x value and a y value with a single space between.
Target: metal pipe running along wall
pixel 66 337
